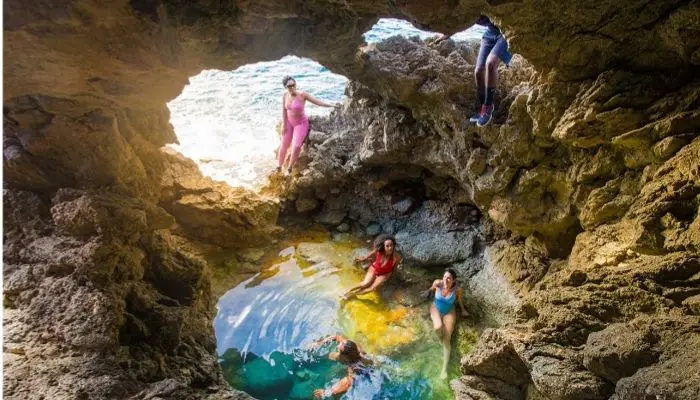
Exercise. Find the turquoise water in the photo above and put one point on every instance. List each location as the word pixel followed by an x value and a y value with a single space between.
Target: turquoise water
pixel 225 120
pixel 264 328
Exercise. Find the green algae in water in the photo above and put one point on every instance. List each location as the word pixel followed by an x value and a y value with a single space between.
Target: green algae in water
pixel 265 324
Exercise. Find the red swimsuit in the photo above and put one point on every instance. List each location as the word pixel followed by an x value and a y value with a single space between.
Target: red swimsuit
pixel 380 269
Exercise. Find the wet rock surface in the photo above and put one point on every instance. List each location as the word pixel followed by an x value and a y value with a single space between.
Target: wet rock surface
pixel 588 179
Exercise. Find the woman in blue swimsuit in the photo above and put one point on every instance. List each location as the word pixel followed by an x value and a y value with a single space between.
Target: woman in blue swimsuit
pixel 442 312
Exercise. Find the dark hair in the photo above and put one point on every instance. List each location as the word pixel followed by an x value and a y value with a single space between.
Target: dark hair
pixel 287 79
pixel 379 242
pixel 350 351
pixel 454 276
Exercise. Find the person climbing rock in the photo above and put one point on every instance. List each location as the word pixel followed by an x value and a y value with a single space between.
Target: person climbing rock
pixel 295 126
pixel 386 259
pixel 493 48
pixel 348 354
pixel 442 312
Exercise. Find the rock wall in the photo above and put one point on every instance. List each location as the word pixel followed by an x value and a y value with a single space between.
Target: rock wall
pixel 594 155
pixel 605 228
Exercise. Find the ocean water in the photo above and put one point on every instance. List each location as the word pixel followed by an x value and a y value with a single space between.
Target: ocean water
pixel 226 120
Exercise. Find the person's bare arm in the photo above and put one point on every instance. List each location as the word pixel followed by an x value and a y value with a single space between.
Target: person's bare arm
pixel 428 292
pixel 397 259
pixel 318 102
pixel 367 257
pixel 320 342
pixel 340 387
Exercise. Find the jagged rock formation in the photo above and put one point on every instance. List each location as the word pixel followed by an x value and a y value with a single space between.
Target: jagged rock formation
pixel 595 159
pixel 622 219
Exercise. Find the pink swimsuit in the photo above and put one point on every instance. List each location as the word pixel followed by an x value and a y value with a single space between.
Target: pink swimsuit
pixel 297 127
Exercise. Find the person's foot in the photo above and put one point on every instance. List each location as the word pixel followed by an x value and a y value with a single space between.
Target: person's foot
pixel 287 172
pixel 278 170
pixel 485 117
pixel 475 118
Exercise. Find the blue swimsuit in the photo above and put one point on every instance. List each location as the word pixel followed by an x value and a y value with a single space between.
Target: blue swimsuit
pixel 444 304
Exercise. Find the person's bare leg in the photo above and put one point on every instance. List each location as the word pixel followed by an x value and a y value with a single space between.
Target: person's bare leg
pixel 437 321
pixel 378 281
pixel 367 282
pixel 480 80
pixel 492 71
pixel 449 321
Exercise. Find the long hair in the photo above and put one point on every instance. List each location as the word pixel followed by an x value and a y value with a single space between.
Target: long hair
pixel 351 353
pixel 379 243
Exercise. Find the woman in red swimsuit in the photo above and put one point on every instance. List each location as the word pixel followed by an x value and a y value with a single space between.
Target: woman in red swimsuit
pixel 385 260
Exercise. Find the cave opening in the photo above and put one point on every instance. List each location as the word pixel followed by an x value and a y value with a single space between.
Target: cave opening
pixel 228 121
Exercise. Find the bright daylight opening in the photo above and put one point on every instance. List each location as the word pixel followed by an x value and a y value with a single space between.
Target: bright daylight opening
pixel 226 120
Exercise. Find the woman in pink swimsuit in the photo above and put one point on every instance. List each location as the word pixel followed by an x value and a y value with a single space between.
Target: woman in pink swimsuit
pixel 296 123
pixel 385 261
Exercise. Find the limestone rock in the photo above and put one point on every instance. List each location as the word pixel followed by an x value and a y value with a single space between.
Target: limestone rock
pixel 403 206
pixel 82 279
pixel 471 387
pixel 674 375
pixel 333 211
pixel 213 211
pixel 564 380
pixel 373 229
pixel 495 357
pixel 435 248
pixel 305 204
pixel 693 304
pixel 619 351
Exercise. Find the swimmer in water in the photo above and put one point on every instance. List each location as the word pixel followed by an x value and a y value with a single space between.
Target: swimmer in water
pixel 348 354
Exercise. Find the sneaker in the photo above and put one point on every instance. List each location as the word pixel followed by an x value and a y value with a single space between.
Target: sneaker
pixel 485 117
pixel 475 118
pixel 287 172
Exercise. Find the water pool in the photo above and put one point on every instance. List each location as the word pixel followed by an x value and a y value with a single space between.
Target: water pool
pixel 264 327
